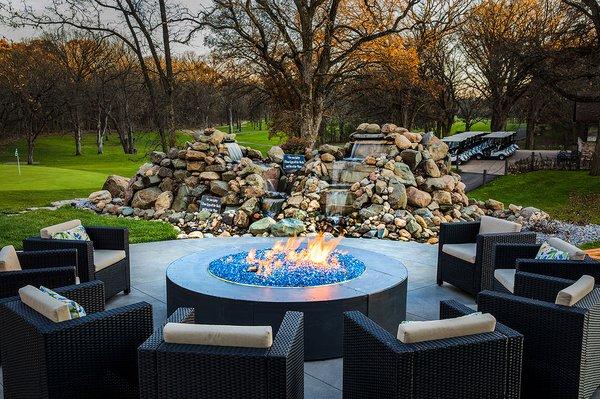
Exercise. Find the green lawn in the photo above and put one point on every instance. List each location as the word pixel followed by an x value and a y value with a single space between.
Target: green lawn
pixel 484 126
pixel 254 137
pixel 14 228
pixel 568 196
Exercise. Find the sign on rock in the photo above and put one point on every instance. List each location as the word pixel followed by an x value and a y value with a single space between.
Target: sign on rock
pixel 210 203
pixel 293 163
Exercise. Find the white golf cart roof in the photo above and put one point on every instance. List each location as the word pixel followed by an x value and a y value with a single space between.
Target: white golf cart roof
pixel 498 135
pixel 458 137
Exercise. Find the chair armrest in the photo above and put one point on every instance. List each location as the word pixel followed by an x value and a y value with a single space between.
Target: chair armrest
pixel 148 378
pixel 108 237
pixel 90 295
pixel 506 254
pixel 538 286
pixel 485 259
pixel 567 269
pixel 286 358
pixel 50 277
pixel 451 308
pixel 458 233
pixel 50 258
pixel 85 253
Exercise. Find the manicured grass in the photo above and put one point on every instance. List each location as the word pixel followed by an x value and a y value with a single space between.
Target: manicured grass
pixel 254 137
pixel 483 126
pixel 565 195
pixel 590 245
pixel 14 228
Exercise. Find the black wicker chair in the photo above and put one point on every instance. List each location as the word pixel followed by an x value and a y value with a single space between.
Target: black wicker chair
pixel 196 371
pixel 55 268
pixel 116 277
pixel 561 355
pixel 478 276
pixel 377 365
pixel 522 257
pixel 89 357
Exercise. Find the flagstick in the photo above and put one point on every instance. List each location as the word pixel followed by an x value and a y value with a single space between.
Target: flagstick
pixel 18 163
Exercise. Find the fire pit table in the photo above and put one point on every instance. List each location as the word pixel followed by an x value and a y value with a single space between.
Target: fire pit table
pixel 248 285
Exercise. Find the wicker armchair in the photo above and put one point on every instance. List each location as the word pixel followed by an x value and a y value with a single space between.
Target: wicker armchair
pixel 478 275
pixel 508 258
pixel 55 268
pixel 561 355
pixel 377 365
pixel 90 357
pixel 116 277
pixel 196 371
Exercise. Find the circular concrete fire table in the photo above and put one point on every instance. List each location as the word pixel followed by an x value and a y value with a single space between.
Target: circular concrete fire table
pixel 379 292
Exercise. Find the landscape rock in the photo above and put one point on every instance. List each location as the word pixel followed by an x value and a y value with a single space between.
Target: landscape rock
pixel 145 198
pixel 288 227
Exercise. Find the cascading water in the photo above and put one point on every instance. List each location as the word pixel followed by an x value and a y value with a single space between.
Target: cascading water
pixel 235 152
pixel 362 149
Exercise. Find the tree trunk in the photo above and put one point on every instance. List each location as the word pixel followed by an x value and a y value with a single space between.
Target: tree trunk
pixel 100 136
pixel 499 117
pixel 77 133
pixel 529 133
pixel 595 164
pixel 311 114
pixel 30 148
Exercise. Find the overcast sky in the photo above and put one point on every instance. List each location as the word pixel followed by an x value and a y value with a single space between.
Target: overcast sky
pixel 24 33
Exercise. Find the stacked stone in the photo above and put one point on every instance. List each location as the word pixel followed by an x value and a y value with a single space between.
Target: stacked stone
pixel 402 195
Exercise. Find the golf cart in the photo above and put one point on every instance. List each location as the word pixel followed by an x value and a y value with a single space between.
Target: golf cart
pixel 499 145
pixel 462 146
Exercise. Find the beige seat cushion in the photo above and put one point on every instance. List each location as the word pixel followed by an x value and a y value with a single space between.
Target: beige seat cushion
pixel 495 225
pixel 419 331
pixel 44 304
pixel 219 335
pixel 576 291
pixel 466 252
pixel 574 252
pixel 47 232
pixel 107 257
pixel 9 261
pixel 506 277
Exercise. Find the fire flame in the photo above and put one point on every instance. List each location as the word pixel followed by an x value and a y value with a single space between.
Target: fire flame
pixel 315 255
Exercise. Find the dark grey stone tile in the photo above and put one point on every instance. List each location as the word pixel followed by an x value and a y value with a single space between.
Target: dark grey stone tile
pixel 329 371
pixel 425 302
pixel 317 389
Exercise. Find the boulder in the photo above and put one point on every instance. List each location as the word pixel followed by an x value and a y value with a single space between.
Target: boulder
pixel 181 199
pixel 417 198
pixel 494 205
pixel 403 174
pixel 362 127
pixel 437 148
pixel 118 186
pixel 442 197
pixel 288 227
pixel 276 154
pixel 165 172
pixel 411 157
pixel 156 157
pixel 402 142
pixel 199 146
pixel 100 196
pixel 431 168
pixel 445 182
pixel 397 197
pixel 371 211
pixel 209 176
pixel 163 201
pixel 241 219
pixel 144 199
pixel 193 155
pixel 327 157
pixel 373 128
pixel 219 187
pixel 217 137
pixel 262 226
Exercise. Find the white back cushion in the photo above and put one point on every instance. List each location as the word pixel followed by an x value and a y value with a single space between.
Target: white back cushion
pixel 218 335
pixel 574 252
pixel 44 304
pixel 576 291
pixel 47 232
pixel 9 261
pixel 495 225
pixel 419 331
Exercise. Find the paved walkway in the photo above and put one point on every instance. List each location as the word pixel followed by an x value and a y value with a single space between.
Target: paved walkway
pixel 323 379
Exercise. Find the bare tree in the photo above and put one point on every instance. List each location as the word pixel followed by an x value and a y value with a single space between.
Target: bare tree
pixel 309 46
pixel 145 27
